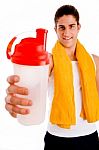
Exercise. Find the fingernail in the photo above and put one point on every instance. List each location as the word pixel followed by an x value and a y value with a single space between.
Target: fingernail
pixel 16 78
pixel 29 102
pixel 26 91
pixel 27 111
pixel 8 98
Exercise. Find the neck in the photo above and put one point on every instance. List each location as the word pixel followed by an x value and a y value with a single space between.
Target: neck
pixel 71 53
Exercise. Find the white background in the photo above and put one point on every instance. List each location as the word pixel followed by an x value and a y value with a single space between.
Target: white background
pixel 17 16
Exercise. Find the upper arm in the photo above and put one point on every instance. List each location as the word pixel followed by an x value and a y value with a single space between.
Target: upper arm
pixel 96 60
pixel 51 64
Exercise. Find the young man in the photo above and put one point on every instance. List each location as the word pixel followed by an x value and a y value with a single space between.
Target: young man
pixel 74 89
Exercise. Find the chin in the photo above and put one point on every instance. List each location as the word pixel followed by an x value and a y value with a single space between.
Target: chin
pixel 67 45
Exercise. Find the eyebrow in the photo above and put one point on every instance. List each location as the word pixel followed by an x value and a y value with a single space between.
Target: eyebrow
pixel 72 24
pixel 61 26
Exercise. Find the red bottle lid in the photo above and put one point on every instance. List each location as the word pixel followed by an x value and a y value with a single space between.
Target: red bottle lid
pixel 30 51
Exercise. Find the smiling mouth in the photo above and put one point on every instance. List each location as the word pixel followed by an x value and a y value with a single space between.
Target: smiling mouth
pixel 67 39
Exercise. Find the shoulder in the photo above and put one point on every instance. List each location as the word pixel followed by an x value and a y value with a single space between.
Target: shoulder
pixel 96 60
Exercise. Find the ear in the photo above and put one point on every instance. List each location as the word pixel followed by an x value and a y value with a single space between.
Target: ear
pixel 79 26
pixel 55 28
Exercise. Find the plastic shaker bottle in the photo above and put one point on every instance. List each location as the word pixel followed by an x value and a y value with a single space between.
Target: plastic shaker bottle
pixel 31 63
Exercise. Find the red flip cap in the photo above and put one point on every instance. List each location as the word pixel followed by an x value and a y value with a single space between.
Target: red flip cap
pixel 30 51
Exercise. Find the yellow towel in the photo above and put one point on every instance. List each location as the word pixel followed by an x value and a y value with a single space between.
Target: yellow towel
pixel 63 104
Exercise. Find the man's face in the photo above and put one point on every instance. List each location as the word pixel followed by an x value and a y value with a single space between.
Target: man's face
pixel 67 30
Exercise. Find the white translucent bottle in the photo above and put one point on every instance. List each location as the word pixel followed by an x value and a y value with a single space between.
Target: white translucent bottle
pixel 31 63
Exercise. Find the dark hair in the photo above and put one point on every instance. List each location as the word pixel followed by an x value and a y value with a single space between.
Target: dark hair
pixel 66 10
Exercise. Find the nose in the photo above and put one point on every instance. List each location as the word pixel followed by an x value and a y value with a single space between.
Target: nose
pixel 66 31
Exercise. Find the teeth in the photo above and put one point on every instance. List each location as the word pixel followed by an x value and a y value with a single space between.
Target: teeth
pixel 67 38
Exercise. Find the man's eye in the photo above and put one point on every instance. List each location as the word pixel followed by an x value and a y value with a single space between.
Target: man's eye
pixel 61 28
pixel 72 26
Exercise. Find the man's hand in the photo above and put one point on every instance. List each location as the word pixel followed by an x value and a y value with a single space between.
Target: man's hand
pixel 12 101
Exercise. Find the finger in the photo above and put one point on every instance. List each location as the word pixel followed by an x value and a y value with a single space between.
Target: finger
pixel 17 100
pixel 12 79
pixel 19 110
pixel 11 108
pixel 14 89
pixel 13 114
